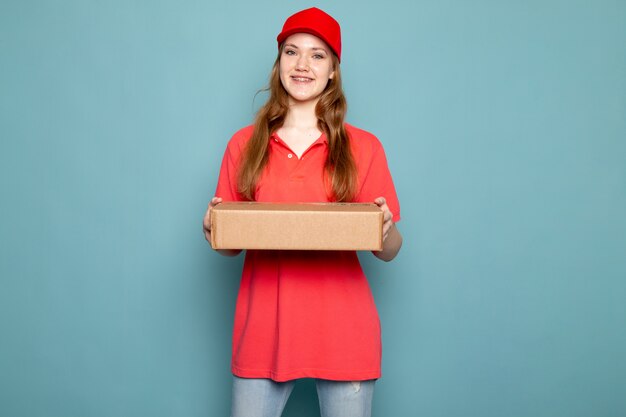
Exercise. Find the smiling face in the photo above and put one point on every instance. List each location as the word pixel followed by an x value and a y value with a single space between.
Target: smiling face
pixel 306 65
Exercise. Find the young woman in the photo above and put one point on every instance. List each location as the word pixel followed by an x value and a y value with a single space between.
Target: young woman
pixel 306 314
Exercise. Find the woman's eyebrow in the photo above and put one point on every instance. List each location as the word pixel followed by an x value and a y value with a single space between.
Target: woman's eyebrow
pixel 317 48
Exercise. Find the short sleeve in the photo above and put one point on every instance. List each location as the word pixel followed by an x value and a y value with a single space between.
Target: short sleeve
pixel 375 180
pixel 227 180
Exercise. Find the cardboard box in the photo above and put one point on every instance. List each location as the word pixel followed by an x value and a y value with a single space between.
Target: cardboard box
pixel 303 226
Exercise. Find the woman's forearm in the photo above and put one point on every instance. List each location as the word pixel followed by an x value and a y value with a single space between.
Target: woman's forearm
pixel 391 245
pixel 228 252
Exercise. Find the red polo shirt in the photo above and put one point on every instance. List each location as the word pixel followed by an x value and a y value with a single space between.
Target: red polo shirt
pixel 306 313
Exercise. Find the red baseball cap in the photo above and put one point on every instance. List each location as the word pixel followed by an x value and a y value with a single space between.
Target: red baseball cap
pixel 316 22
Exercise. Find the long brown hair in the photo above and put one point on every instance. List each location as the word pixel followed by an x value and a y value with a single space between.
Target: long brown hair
pixel 330 110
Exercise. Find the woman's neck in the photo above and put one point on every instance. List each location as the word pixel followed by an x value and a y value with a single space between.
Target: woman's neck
pixel 301 115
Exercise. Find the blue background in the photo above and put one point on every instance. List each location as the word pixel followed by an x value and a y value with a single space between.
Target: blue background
pixel 504 124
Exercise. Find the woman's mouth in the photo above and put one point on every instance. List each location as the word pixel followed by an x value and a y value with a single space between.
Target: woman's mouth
pixel 302 79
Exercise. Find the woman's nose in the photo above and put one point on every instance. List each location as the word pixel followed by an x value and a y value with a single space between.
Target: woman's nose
pixel 302 63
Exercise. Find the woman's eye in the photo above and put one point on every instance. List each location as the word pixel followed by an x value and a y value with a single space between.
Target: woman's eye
pixel 318 56
pixel 290 52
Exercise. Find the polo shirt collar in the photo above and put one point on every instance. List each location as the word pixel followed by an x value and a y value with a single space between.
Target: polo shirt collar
pixel 321 139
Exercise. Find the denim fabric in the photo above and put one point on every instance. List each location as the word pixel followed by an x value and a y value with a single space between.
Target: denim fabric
pixel 254 397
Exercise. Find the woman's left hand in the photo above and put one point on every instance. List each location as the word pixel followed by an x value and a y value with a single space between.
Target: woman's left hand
pixel 392 239
pixel 387 216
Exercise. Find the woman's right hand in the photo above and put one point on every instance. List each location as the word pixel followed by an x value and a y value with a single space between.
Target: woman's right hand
pixel 206 226
pixel 206 223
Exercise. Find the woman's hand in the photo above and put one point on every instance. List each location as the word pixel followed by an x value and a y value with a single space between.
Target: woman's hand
pixel 392 240
pixel 206 226
pixel 387 216
pixel 206 223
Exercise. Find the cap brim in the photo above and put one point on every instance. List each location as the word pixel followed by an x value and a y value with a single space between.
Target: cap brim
pixel 284 35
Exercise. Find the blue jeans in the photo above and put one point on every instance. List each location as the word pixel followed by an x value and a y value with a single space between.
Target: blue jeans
pixel 266 398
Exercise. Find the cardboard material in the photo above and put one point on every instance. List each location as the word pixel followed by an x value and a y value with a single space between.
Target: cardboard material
pixel 302 226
